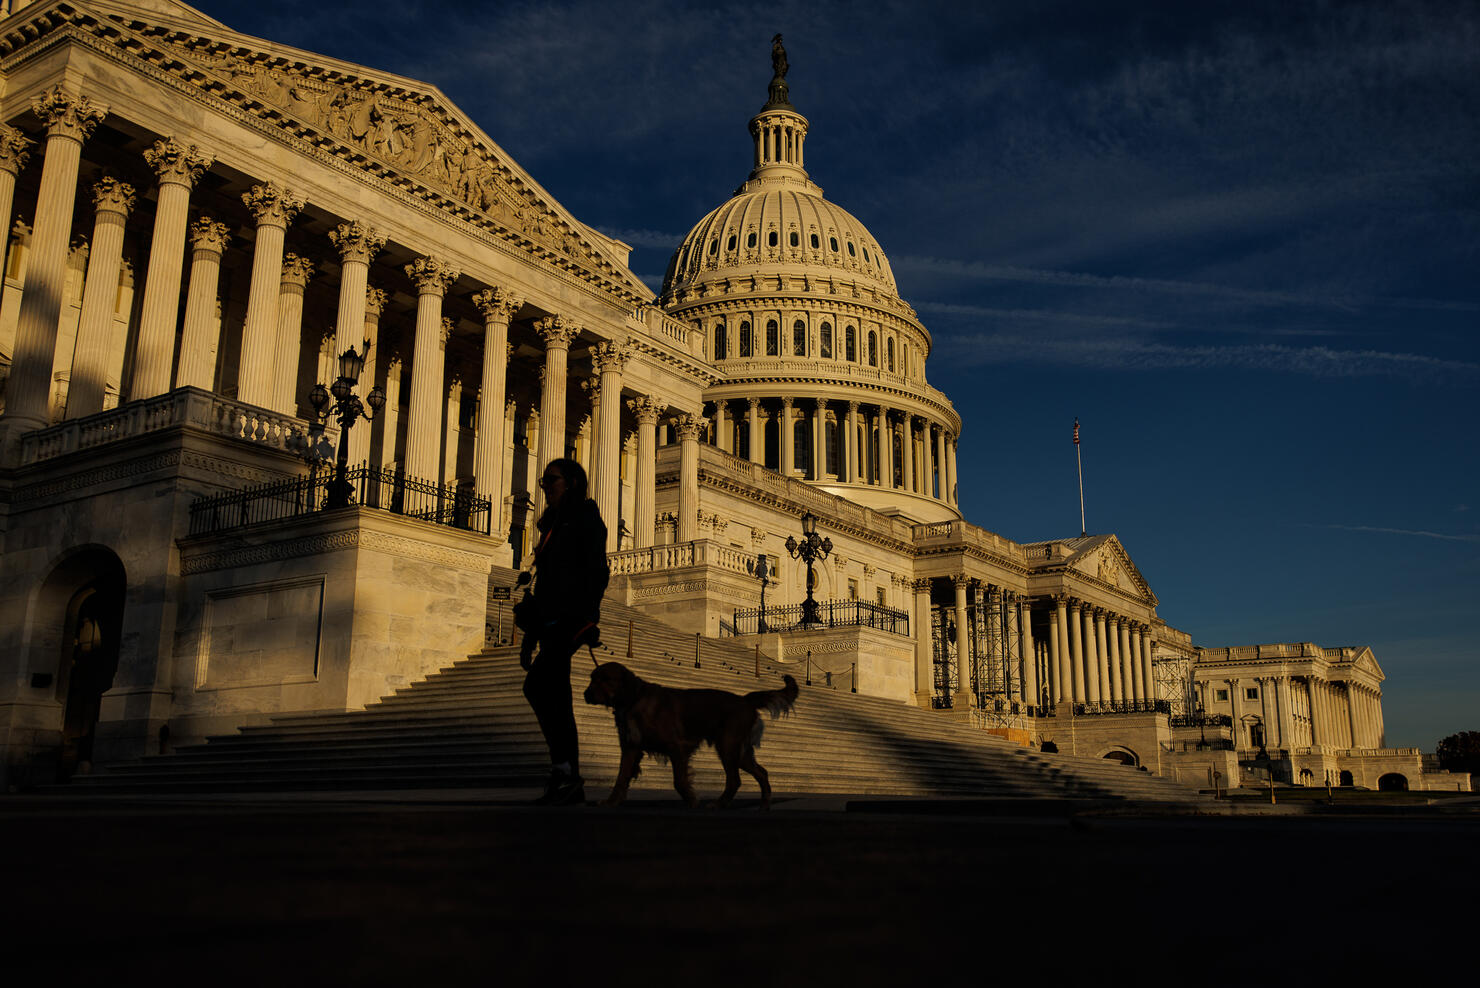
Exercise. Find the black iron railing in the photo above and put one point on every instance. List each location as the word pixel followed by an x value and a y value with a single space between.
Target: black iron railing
pixel 834 614
pixel 388 490
pixel 1091 709
pixel 1205 720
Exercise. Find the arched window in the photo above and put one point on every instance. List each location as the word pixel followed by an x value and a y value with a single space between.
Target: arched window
pixel 833 243
pixel 773 341
pixel 865 253
pixel 873 349
pixel 815 243
pixel 745 339
pixel 801 447
pixel 850 344
pixel 731 244
pixel 771 239
pixel 798 339
pixel 796 240
pixel 889 353
pixel 827 341
pixel 750 239
pixel 851 251
pixel 721 345
pixel 713 247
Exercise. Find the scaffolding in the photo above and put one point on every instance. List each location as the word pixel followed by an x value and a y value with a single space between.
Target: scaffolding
pixel 1173 675
pixel 996 670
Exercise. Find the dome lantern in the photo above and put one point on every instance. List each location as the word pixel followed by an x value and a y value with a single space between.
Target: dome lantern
pixel 779 130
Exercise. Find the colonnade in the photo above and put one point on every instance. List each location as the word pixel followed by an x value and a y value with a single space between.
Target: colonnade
pixel 1308 711
pixel 1098 656
pixel 862 447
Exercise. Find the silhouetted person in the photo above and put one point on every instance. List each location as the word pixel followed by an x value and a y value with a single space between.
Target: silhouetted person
pixel 570 578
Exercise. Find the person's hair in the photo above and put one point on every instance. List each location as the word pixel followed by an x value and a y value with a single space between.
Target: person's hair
pixel 576 488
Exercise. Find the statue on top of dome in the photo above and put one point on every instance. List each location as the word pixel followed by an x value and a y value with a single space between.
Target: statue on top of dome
pixel 779 65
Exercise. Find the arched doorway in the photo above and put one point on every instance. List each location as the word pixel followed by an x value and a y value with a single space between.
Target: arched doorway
pixel 79 617
pixel 1392 782
pixel 1122 755
pixel 1345 780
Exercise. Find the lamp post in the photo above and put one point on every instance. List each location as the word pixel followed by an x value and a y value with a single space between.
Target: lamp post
pixel 763 573
pixel 349 408
pixel 809 550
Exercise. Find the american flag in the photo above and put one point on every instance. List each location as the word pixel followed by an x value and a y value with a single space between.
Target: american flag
pixel 1076 432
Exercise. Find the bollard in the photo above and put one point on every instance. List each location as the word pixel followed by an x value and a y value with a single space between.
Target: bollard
pixel 853 678
pixel 757 660
pixel 809 667
pixel 629 638
pixel 696 650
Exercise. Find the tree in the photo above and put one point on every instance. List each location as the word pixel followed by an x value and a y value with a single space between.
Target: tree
pixel 1460 752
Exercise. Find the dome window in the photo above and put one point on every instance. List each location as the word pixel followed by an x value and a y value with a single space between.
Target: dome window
pixel 866 257
pixel 850 344
pixel 798 337
pixel 745 339
pixel 815 242
pixel 851 251
pixel 796 239
pixel 873 349
pixel 713 247
pixel 826 349
pixel 772 239
pixel 773 341
pixel 750 240
pixel 731 244
pixel 833 243
pixel 889 353
pixel 721 345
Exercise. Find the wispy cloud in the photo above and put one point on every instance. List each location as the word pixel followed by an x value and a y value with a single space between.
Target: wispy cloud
pixel 1406 531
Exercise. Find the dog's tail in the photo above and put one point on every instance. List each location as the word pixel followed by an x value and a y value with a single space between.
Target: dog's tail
pixel 777 703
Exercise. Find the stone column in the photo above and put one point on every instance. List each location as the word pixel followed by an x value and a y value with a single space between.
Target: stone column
pixel 498 306
pixel 390 426
pixel 819 440
pixel 113 199
pixel 69 120
pixel 991 599
pixel 452 423
pixel 357 245
pixel 1265 704
pixel 1108 624
pixel 886 450
pixel 1026 647
pixel 788 447
pixel 1127 661
pixel 951 469
pixel 557 333
pixel 927 472
pixel 756 439
pixel 1147 661
pixel 1351 714
pixel 687 427
pixel 645 410
pixel 273 208
pixel 1287 721
pixel 940 463
pixel 851 450
pixel 609 359
pixel 963 700
pixel 1239 741
pixel 202 334
pixel 907 448
pixel 1076 652
pixel 360 439
pixel 1093 658
pixel 14 151
pixel 178 168
pixel 724 430
pixel 296 273
pixel 1056 659
pixel 432 277
pixel 924 646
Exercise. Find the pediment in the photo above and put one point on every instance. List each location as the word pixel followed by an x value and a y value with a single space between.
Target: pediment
pixel 403 132
pixel 1104 559
pixel 1366 662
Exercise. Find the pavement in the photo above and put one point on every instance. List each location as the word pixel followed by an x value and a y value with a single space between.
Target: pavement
pixel 460 886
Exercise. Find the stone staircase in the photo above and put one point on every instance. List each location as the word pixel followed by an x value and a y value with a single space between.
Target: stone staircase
pixel 468 725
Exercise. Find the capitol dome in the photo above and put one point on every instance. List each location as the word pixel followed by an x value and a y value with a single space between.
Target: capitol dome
pixel 821 363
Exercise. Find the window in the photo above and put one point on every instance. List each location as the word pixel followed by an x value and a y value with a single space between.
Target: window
pixel 827 341
pixel 833 243
pixel 720 343
pixel 750 239
pixel 1251 693
pixel 731 244
pixel 773 342
pixel 879 597
pixel 889 349
pixel 798 339
pixel 1220 696
pixel 713 247
pixel 771 239
pixel 852 589
pixel 815 243
pixel 796 239
pixel 851 251
pixel 745 339
pixel 865 253
pixel 850 344
pixel 873 349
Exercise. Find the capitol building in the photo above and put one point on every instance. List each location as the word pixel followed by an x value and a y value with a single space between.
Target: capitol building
pixel 199 227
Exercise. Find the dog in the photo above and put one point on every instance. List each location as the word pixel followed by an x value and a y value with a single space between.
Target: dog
pixel 672 723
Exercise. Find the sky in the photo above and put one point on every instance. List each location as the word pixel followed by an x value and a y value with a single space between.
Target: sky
pixel 1238 241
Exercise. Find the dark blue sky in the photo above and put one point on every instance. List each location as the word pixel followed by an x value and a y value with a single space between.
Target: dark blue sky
pixel 1239 241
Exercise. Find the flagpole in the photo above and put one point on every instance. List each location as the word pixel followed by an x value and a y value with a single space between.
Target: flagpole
pixel 1083 529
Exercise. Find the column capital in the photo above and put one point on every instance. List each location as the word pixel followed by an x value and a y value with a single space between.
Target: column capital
pixel 960 581
pixel 592 387
pixel 687 424
pixel 297 270
pixel 498 304
pixel 67 114
pixel 272 205
pixel 356 242
pixel 609 357
pixel 15 149
pixel 753 403
pixel 432 275
pixel 445 334
pixel 645 409
pixel 920 586
pixel 112 196
pixel 852 407
pixel 208 234
pixel 176 163
pixel 786 402
pixel 374 302
pixel 557 331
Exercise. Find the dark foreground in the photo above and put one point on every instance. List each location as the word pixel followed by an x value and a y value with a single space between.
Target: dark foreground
pixel 472 888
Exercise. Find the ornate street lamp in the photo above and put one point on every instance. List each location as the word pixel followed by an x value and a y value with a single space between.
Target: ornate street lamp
pixel 763 573
pixel 348 407
pixel 809 551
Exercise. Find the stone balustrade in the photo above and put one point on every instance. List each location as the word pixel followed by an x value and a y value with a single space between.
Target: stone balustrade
pixel 661 558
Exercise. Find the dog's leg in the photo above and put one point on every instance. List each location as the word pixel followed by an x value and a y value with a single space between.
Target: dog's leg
pixel 681 781
pixel 748 762
pixel 628 768
pixel 729 757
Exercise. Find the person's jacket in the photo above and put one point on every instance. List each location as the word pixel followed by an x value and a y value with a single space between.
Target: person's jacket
pixel 570 565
